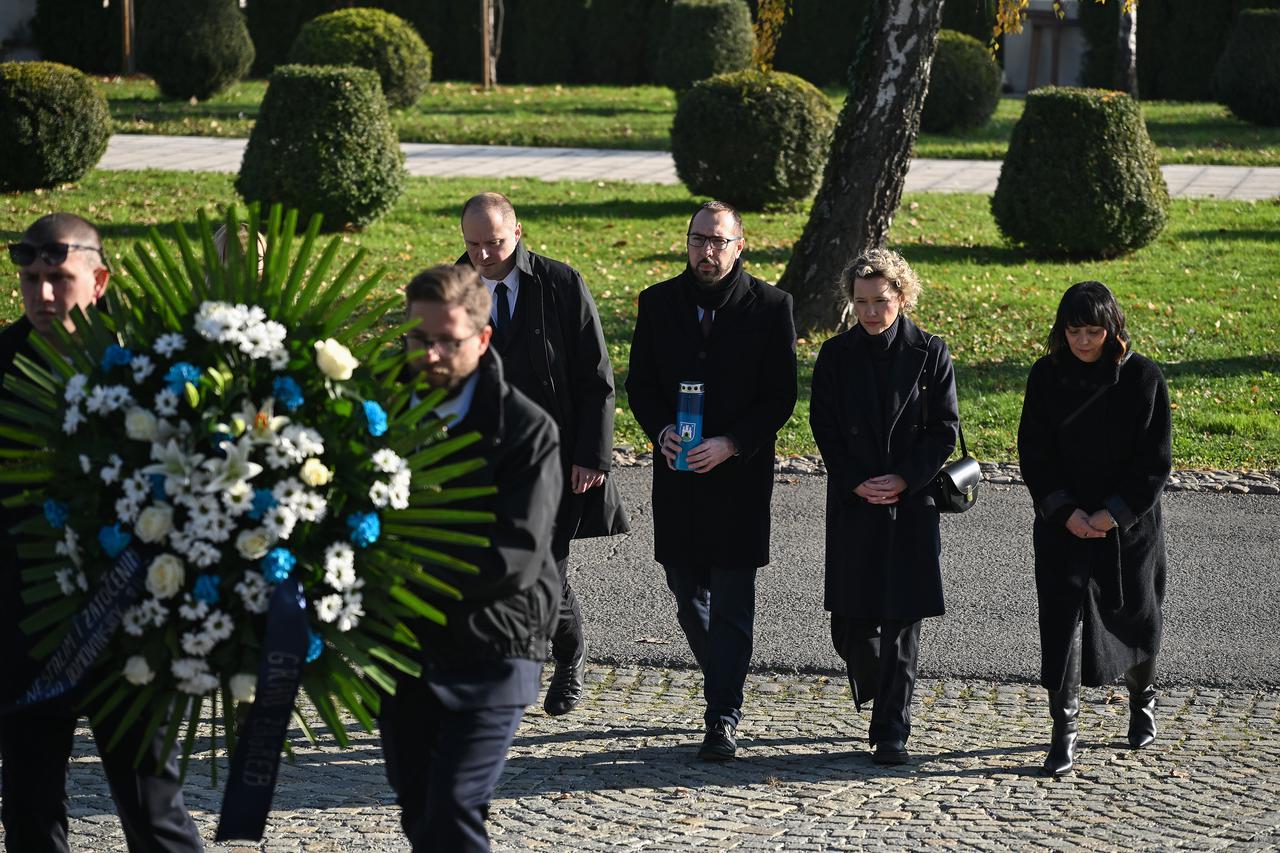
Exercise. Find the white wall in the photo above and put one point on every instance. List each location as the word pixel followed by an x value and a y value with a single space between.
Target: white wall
pixel 1071 47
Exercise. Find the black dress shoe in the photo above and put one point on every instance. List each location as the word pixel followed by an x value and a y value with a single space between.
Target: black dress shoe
pixel 719 745
pixel 566 688
pixel 891 752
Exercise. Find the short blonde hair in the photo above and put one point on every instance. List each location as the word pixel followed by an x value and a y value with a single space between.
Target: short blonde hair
pixel 220 245
pixel 886 264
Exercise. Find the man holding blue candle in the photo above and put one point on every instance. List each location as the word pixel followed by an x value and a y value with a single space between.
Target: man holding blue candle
pixel 716 333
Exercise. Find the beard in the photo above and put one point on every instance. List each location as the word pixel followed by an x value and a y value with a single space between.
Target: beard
pixel 708 271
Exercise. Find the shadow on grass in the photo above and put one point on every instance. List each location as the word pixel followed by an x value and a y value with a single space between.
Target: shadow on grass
pixel 1235 235
pixel 123 231
pixel 605 209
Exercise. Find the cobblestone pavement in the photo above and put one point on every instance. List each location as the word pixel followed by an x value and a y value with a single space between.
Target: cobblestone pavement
pixel 210 154
pixel 620 773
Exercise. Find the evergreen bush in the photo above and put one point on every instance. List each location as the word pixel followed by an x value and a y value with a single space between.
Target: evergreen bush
pixel 55 124
pixel 194 48
pixel 324 143
pixel 964 85
pixel 1248 75
pixel 704 38
pixel 755 140
pixel 373 39
pixel 1081 176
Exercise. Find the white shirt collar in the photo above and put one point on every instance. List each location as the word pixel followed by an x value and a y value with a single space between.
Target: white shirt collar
pixel 459 404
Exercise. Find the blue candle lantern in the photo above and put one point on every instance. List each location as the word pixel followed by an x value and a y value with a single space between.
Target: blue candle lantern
pixel 688 421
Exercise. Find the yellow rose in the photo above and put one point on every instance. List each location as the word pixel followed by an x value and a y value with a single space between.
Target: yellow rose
pixel 314 473
pixel 335 360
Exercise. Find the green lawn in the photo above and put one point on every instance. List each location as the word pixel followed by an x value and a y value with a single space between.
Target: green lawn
pixel 639 117
pixel 1203 300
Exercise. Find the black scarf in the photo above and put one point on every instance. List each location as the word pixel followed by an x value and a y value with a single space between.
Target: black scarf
pixel 712 297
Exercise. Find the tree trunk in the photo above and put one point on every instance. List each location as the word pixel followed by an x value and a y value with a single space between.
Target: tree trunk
pixel 1127 51
pixel 870 154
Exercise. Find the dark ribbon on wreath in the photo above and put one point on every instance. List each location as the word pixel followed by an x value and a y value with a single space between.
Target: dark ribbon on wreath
pixel 89 633
pixel 256 760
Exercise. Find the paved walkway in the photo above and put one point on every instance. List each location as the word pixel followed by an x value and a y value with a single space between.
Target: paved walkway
pixel 620 773
pixel 208 154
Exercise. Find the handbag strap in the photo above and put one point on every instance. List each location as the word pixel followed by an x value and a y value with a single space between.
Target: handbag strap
pixel 924 412
pixel 1086 404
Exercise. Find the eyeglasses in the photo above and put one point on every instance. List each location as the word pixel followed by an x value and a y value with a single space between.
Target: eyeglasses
pixel 53 254
pixel 697 241
pixel 445 346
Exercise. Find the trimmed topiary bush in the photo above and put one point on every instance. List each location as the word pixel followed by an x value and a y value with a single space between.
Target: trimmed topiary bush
pixel 1248 75
pixel 705 38
pixel 324 143
pixel 373 39
pixel 55 124
pixel 752 139
pixel 1081 176
pixel 194 48
pixel 964 85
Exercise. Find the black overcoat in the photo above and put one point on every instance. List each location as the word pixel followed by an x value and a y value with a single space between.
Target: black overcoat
pixel 555 353
pixel 748 366
pixel 883 561
pixel 1114 453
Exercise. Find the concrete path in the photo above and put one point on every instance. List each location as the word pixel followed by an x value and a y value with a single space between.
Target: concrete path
pixel 209 154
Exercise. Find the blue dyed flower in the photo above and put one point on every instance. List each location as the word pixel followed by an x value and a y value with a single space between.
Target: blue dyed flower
pixel 263 501
pixel 315 645
pixel 115 356
pixel 287 392
pixel 158 492
pixel 113 540
pixel 278 564
pixel 56 513
pixel 365 528
pixel 376 416
pixel 180 374
pixel 207 589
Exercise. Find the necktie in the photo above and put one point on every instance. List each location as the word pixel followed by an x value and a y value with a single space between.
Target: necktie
pixel 502 315
pixel 707 319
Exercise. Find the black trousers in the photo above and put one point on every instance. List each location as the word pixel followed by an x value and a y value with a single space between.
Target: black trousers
pixel 444 765
pixel 35 747
pixel 881 656
pixel 566 637
pixel 716 610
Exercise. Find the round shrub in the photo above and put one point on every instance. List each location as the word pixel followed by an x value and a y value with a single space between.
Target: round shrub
pixel 705 38
pixel 324 143
pixel 373 39
pixel 194 48
pixel 752 139
pixel 55 124
pixel 1248 75
pixel 964 85
pixel 1081 176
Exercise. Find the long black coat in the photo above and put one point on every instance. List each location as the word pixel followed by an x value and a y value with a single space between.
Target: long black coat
pixel 883 561
pixel 748 365
pixel 555 354
pixel 1116 453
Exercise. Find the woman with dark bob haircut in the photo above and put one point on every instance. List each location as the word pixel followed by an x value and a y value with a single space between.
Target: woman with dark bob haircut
pixel 1095 451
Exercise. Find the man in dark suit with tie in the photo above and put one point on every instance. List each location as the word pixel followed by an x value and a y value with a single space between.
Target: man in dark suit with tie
pixel 547 329
pixel 445 734
pixel 719 326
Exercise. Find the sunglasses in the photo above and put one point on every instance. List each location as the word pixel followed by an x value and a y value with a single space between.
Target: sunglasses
pixel 53 254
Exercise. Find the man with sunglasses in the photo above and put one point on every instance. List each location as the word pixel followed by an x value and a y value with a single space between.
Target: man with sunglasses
pixel 716 325
pixel 61 267
pixel 445 734
pixel 547 329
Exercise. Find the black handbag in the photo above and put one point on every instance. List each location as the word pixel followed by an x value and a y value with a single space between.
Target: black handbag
pixel 955 489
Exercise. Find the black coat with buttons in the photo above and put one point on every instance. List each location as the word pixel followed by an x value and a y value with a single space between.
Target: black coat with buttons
pixel 748 366
pixel 555 354
pixel 883 560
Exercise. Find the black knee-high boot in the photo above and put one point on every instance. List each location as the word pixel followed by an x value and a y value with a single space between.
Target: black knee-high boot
pixel 1142 703
pixel 1064 707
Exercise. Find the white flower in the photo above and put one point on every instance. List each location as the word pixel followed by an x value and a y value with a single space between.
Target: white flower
pixel 108 398
pixel 86 464
pixel 244 686
pixel 154 612
pixel 219 626
pixel 192 610
pixel 306 441
pixel 288 492
pixel 142 367
pixel 74 392
pixel 235 467
pixel 352 610
pixel 214 320
pixel 71 420
pixel 312 507
pixel 254 591
pixel 278 359
pixel 137 672
pixel 166 403
pixel 167 345
pixel 379 494
pixel 314 473
pixel 71 580
pixel 137 487
pixel 197 643
pixel 328 607
pixel 187 668
pixel 176 466
pixel 387 461
pixel 111 471
pixel 261 340
pixel 127 510
pixel 262 423
pixel 165 576
pixel 154 523
pixel 334 360
pixel 254 544
pixel 203 554
pixel 280 520
pixel 69 547
pixel 140 425
pixel 132 622
pixel 238 499
pixel 339 566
